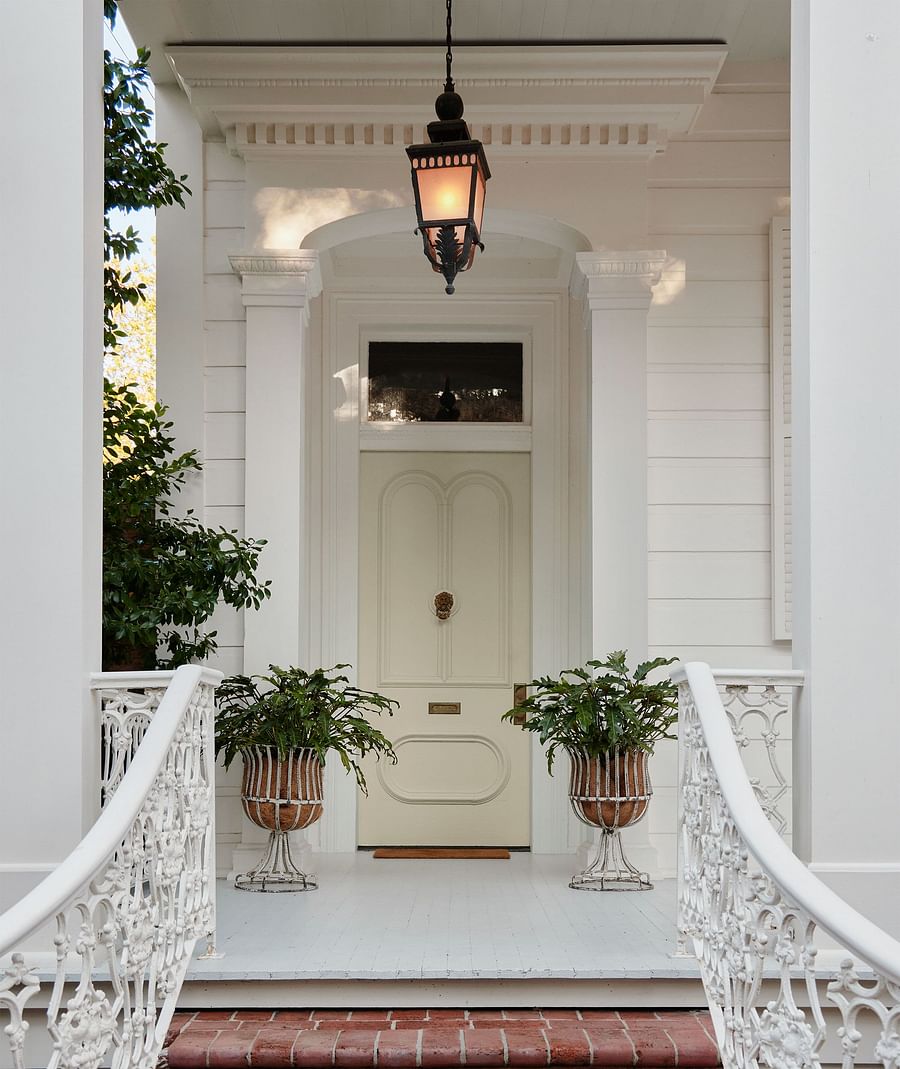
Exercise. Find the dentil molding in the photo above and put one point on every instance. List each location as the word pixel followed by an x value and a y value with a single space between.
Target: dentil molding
pixel 271 140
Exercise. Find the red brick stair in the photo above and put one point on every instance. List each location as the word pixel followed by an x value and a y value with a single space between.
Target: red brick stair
pixel 432 1038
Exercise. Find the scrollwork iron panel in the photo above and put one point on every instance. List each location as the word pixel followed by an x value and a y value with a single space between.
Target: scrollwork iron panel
pixel 126 938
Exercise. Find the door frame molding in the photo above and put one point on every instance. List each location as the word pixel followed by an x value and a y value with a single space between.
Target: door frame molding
pixel 541 323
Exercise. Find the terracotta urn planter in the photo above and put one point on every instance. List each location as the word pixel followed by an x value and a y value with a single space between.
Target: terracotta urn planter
pixel 610 792
pixel 280 794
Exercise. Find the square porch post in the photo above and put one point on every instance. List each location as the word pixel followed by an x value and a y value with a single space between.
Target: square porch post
pixel 845 90
pixel 51 356
pixel 616 287
pixel 277 288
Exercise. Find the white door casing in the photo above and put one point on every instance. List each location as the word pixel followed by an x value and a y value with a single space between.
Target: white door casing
pixel 541 323
pixel 432 524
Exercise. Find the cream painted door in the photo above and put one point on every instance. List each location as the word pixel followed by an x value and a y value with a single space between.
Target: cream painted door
pixel 456 523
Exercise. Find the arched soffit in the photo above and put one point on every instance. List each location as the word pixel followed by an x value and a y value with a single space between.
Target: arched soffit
pixel 402 221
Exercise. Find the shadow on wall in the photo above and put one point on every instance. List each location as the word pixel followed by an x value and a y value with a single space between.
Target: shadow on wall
pixel 287 215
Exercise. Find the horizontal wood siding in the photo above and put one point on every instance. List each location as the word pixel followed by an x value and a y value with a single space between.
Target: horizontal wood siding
pixel 224 408
pixel 712 197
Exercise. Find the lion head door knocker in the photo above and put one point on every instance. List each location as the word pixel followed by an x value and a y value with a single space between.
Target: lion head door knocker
pixel 443 605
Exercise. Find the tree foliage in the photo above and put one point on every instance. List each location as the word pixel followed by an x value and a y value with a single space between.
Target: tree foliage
pixel 163 574
pixel 133 360
pixel 136 176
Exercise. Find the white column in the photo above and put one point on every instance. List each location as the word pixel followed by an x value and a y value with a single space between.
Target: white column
pixel 616 288
pixel 179 286
pixel 277 290
pixel 846 610
pixel 51 218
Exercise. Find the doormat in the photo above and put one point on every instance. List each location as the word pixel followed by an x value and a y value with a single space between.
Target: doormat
pixel 439 853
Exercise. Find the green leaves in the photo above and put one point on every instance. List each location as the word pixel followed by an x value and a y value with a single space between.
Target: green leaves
pixel 291 709
pixel 135 176
pixel 163 575
pixel 601 707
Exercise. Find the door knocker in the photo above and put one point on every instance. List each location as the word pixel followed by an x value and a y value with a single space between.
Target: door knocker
pixel 443 605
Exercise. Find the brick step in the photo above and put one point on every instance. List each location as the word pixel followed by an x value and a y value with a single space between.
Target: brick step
pixel 433 1038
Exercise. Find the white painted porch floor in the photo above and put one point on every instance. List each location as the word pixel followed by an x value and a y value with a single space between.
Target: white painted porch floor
pixel 445 920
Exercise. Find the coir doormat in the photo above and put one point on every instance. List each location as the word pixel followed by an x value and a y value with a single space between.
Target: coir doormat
pixel 438 853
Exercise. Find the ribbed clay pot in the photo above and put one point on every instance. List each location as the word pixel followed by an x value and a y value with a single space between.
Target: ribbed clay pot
pixel 611 791
pixel 281 793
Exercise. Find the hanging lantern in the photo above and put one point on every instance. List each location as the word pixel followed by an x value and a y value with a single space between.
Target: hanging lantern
pixel 448 178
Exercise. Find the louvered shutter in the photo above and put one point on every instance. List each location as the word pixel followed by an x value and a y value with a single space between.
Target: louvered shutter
pixel 780 328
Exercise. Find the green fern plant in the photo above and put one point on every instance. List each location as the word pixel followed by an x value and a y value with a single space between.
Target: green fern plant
pixel 291 709
pixel 601 707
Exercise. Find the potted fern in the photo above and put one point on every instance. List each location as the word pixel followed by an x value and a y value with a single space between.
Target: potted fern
pixel 283 725
pixel 608 720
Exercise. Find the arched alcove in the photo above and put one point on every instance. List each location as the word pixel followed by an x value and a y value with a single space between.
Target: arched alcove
pixel 521 249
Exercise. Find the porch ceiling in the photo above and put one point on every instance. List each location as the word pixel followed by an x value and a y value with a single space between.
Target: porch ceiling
pixel 751 29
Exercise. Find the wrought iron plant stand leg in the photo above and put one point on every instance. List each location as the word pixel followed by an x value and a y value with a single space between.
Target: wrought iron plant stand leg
pixel 610 793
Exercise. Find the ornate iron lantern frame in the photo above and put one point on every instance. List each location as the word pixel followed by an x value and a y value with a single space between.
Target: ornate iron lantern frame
pixel 450 241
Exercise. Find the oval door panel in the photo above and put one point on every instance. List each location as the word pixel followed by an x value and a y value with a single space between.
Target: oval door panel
pixel 427 770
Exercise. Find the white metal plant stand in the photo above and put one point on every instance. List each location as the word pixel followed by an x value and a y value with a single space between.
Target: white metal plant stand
pixel 281 794
pixel 609 794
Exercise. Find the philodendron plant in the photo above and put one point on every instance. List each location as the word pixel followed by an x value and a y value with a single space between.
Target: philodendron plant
pixel 292 709
pixel 600 708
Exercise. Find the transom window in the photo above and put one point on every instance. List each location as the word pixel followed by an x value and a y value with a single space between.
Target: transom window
pixel 445 382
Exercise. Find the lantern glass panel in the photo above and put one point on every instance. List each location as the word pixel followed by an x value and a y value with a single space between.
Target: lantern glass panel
pixel 478 211
pixel 444 192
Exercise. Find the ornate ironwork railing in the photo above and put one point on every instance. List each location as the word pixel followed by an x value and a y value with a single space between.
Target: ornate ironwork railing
pixel 759 706
pixel 125 910
pixel 754 914
pixel 127 703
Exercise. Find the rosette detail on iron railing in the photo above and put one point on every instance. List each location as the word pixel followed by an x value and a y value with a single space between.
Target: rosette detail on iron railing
pixel 122 914
pixel 755 916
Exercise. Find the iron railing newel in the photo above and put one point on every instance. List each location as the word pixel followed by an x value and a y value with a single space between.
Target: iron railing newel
pixel 130 903
pixel 752 912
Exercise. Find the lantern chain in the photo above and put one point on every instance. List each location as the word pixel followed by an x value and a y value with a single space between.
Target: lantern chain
pixel 448 85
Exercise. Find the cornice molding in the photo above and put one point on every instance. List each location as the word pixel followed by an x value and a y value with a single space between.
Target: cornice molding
pixel 477 66
pixel 274 263
pixel 612 276
pixel 534 98
pixel 275 277
pixel 435 83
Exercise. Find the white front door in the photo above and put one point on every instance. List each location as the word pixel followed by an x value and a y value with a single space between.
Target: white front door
pixel 446 535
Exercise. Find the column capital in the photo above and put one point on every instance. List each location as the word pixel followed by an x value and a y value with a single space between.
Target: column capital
pixel 612 279
pixel 278 277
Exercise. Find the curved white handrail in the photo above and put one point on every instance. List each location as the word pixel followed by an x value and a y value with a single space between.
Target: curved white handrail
pixel 99 845
pixel 831 913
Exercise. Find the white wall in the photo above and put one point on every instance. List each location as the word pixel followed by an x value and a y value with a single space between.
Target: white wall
pixel 51 355
pixel 712 196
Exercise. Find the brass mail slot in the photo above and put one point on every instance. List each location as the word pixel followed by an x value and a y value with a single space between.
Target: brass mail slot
pixel 444 708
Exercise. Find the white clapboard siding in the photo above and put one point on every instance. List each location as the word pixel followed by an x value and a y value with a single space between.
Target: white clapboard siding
pixel 225 344
pixel 782 557
pixel 224 430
